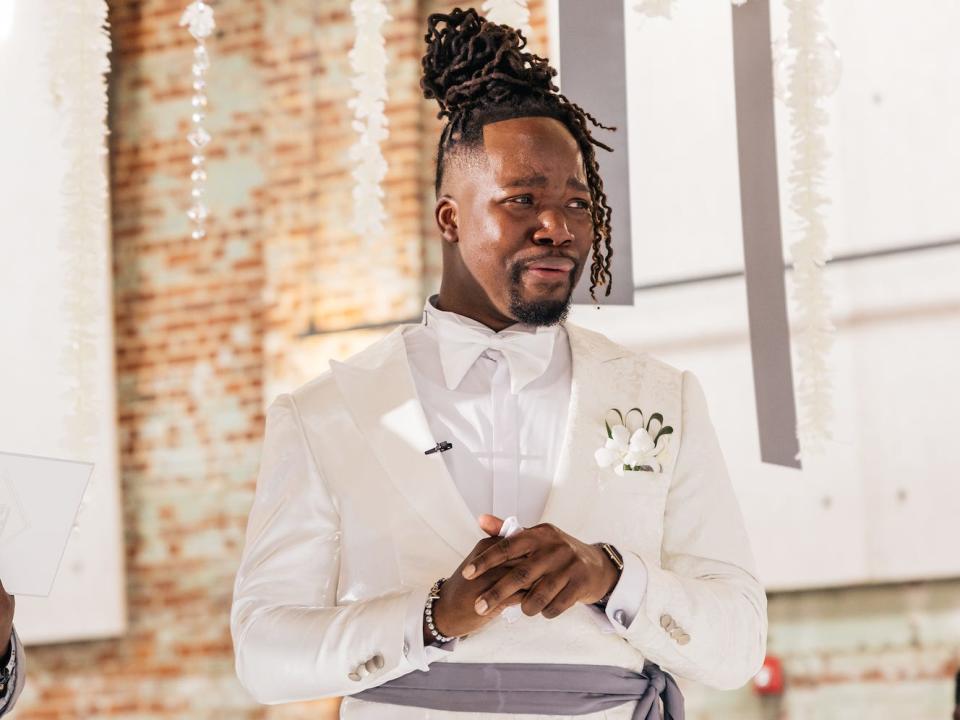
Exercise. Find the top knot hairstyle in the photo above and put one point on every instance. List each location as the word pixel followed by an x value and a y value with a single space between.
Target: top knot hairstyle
pixel 478 73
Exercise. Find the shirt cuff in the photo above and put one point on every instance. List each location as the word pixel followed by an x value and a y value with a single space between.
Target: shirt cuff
pixel 418 654
pixel 629 592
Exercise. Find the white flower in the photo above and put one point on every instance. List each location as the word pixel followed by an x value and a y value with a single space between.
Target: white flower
pixel 635 451
pixel 199 16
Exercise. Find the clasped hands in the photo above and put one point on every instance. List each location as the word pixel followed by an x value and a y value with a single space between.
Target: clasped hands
pixel 542 569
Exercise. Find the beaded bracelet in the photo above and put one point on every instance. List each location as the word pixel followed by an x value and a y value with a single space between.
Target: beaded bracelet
pixel 428 611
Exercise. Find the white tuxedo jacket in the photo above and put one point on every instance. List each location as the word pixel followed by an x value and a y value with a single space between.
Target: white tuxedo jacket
pixel 351 517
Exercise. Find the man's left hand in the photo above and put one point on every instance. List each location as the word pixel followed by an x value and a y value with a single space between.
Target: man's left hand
pixel 557 570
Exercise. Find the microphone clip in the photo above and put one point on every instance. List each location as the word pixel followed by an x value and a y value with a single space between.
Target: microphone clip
pixel 442 446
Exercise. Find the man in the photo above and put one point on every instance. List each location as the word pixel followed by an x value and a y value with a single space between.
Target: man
pixel 11 662
pixel 373 566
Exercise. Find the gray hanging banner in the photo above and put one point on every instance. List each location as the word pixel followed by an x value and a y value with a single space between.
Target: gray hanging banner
pixel 593 74
pixel 762 242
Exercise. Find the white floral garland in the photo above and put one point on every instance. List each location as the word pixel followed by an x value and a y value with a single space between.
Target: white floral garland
pixel 199 21
pixel 79 64
pixel 664 8
pixel 808 84
pixel 368 59
pixel 514 13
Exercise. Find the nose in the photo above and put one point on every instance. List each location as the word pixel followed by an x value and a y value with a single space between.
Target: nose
pixel 553 229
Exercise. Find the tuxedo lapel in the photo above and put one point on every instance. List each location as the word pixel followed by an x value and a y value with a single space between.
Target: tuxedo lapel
pixel 379 392
pixel 595 360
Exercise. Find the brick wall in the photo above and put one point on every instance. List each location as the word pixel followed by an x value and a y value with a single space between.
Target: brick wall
pixel 209 331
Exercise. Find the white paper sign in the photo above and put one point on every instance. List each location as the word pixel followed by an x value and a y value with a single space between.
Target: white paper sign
pixel 39 500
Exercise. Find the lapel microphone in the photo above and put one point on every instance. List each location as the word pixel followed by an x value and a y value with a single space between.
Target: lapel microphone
pixel 440 447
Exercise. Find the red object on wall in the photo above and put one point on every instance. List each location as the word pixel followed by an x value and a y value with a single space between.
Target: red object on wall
pixel 769 681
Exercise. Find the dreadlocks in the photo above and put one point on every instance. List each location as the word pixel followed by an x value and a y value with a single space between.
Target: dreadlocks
pixel 478 73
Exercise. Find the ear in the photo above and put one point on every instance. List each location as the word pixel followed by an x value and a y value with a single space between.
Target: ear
pixel 447 215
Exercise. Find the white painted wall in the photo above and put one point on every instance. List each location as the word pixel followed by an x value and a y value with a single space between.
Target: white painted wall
pixel 882 504
pixel 38 388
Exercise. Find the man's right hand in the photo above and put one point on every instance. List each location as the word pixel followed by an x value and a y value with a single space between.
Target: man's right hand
pixel 7 605
pixel 453 612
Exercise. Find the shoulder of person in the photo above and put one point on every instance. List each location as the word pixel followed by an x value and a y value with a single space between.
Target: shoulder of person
pixel 599 343
pixel 321 390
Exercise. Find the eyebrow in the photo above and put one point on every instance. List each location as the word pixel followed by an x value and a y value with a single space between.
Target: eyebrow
pixel 541 181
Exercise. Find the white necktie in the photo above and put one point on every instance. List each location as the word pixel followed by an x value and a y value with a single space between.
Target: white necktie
pixel 527 354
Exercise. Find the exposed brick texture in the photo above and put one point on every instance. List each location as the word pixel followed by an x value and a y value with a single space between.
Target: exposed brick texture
pixel 208 331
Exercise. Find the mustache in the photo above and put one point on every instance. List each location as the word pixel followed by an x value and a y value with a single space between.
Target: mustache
pixel 527 262
pixel 518 266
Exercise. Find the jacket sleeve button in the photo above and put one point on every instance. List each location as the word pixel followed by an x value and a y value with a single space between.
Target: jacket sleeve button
pixel 354 676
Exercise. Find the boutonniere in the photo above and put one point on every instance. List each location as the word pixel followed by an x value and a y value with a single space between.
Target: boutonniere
pixel 635 443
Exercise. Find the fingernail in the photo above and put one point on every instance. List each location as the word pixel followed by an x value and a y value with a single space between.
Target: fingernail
pixel 468 571
pixel 481 606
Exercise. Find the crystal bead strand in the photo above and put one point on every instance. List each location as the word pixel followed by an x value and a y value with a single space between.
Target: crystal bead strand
pixel 200 21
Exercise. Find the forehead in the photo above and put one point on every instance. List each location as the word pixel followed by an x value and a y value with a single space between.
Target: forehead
pixel 532 146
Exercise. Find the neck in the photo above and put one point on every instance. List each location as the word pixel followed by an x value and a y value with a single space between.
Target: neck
pixel 463 304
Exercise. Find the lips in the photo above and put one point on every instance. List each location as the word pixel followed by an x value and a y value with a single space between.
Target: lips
pixel 552 264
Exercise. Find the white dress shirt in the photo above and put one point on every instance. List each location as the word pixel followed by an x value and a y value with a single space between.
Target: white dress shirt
pixel 506 429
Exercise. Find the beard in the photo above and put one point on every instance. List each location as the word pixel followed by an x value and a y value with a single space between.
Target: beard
pixel 538 312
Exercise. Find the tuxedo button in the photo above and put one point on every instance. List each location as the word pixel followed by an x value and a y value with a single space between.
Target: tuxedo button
pixel 666 622
pixel 355 676
pixel 683 639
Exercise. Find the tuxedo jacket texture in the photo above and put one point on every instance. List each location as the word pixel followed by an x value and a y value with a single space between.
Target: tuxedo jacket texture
pixel 351 521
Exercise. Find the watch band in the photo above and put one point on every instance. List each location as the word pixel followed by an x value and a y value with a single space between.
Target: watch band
pixel 617 559
pixel 613 553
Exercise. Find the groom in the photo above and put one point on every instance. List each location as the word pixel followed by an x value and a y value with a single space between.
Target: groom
pixel 373 565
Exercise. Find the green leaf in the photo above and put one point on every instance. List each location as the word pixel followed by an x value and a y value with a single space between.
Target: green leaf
pixel 609 431
pixel 636 410
pixel 665 430
pixel 655 416
pixel 645 467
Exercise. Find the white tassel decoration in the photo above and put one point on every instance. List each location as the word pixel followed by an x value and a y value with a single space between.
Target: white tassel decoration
pixel 368 59
pixel 807 87
pixel 509 12
pixel 79 64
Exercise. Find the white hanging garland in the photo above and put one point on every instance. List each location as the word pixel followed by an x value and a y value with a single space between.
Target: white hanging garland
pixel 199 20
pixel 368 60
pixel 514 13
pixel 808 84
pixel 79 64
pixel 664 8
